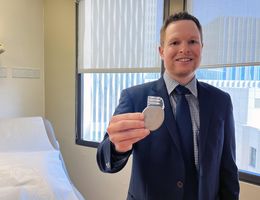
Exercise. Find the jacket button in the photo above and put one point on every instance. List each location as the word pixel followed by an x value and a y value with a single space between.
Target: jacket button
pixel 108 165
pixel 180 184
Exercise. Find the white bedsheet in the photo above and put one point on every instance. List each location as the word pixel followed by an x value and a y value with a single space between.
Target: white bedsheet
pixel 34 176
pixel 30 167
pixel 23 134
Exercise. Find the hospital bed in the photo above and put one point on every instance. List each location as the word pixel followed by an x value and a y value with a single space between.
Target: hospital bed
pixel 31 164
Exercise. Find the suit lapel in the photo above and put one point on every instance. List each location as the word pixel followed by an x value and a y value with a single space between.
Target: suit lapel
pixel 169 120
pixel 205 107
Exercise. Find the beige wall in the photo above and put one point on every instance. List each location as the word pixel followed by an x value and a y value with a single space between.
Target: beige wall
pixel 249 191
pixel 21 32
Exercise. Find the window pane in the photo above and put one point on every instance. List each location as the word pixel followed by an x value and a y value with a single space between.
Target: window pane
pixel 243 84
pixel 231 31
pixel 101 95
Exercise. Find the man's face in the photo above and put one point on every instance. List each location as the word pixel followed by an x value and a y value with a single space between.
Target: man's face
pixel 181 50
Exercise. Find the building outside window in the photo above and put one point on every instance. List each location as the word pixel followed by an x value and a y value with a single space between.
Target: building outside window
pixel 252 162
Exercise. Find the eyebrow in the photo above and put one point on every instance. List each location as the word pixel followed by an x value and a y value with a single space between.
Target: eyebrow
pixel 177 38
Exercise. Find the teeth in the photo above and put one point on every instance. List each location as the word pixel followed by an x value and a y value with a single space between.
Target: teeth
pixel 184 59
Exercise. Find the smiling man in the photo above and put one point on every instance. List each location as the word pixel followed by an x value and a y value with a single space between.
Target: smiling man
pixel 191 156
pixel 181 47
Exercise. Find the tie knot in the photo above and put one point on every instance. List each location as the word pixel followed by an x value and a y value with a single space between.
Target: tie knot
pixel 181 90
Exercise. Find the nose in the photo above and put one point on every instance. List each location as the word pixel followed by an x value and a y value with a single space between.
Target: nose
pixel 184 48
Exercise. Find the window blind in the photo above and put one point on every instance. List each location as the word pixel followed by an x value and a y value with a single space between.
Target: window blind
pixel 119 36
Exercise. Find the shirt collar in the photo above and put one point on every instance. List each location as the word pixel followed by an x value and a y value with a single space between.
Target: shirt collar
pixel 171 84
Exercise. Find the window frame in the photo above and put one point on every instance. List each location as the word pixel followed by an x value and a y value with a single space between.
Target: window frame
pixel 79 94
pixel 244 176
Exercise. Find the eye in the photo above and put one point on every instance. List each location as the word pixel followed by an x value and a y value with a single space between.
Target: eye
pixel 174 43
pixel 193 42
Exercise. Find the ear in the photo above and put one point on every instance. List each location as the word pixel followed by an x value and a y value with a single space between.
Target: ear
pixel 161 51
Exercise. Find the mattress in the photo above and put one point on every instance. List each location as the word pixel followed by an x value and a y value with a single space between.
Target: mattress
pixel 31 164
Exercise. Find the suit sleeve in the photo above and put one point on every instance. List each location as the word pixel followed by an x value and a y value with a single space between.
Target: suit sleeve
pixel 108 159
pixel 229 181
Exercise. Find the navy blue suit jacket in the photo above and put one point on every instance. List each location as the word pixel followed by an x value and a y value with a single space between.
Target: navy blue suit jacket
pixel 158 171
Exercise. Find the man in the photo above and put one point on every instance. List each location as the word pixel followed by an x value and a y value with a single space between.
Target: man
pixel 169 163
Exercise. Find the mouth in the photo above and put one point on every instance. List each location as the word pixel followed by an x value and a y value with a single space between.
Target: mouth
pixel 184 59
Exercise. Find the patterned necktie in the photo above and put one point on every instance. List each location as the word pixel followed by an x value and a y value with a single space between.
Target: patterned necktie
pixel 184 124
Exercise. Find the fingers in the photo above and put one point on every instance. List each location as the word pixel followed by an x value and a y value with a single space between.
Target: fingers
pixel 127 116
pixel 126 145
pixel 126 121
pixel 125 125
pixel 126 129
pixel 129 135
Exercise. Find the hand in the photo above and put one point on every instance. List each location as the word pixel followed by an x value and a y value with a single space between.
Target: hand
pixel 126 129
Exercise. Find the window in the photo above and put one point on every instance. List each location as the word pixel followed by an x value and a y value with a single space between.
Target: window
pixel 117 48
pixel 231 62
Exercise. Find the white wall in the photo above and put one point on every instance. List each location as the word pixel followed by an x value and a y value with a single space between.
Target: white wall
pixel 21 32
